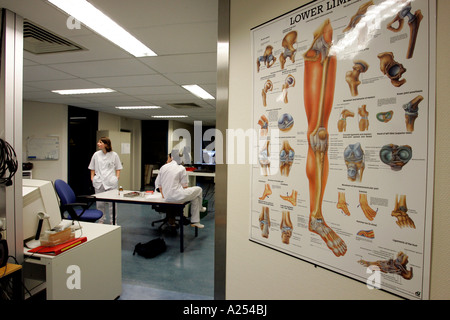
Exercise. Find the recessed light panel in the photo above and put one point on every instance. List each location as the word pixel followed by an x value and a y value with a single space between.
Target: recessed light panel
pixel 84 91
pixel 96 20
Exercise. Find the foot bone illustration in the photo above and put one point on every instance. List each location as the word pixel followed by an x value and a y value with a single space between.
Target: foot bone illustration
pixel 267 192
pixel 342 204
pixel 397 266
pixel 368 211
pixel 399 212
pixel 292 198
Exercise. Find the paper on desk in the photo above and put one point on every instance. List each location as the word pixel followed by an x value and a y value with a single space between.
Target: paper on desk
pixel 155 195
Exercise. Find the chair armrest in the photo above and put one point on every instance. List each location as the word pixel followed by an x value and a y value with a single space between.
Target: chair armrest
pixel 88 199
pixel 76 204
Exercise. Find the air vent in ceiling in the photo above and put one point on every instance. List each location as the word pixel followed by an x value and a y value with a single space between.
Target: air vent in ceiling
pixel 186 105
pixel 39 40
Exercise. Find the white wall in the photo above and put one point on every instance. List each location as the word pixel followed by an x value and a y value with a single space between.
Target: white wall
pixel 256 272
pixel 112 122
pixel 48 119
pixel 43 120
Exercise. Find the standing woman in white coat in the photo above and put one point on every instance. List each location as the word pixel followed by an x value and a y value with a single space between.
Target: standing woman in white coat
pixel 105 169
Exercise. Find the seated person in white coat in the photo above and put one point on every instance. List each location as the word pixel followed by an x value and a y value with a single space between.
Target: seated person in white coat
pixel 172 182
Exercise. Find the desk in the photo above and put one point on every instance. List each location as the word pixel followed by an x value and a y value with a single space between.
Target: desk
pixel 149 199
pixel 192 176
pixel 13 271
pixel 99 262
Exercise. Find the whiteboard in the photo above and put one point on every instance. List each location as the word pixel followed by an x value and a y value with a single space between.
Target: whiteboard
pixel 43 148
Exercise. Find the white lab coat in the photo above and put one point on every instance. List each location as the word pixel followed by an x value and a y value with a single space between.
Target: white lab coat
pixel 105 166
pixel 172 180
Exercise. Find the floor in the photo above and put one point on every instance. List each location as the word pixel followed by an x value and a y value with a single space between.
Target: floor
pixel 171 275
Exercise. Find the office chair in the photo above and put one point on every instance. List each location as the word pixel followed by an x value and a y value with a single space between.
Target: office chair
pixel 168 211
pixel 77 207
pixel 165 220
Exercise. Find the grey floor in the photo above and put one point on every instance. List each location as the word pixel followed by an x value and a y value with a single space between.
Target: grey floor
pixel 172 275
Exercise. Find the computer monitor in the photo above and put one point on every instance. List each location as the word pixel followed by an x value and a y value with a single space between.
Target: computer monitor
pixel 39 197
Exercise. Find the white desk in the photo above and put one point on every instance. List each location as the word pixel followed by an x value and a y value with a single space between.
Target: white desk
pixel 99 260
pixel 192 176
pixel 155 199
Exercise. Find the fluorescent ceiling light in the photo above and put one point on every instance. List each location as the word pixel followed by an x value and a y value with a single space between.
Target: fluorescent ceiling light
pixel 96 20
pixel 166 117
pixel 137 107
pixel 84 91
pixel 198 91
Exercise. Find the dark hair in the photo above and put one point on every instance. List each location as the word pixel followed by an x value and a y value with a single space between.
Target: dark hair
pixel 107 142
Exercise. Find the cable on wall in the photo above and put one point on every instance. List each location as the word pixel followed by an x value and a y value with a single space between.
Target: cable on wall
pixel 8 163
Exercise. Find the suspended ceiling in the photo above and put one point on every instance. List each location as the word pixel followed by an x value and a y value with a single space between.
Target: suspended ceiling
pixel 183 33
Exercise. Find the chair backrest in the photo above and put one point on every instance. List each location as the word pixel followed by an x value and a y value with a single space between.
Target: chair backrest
pixel 65 192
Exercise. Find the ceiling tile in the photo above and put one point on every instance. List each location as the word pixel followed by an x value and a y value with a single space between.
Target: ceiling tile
pixel 182 63
pixel 105 68
pixel 132 81
pixel 40 73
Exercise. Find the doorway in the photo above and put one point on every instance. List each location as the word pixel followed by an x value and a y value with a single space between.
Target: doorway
pixel 83 124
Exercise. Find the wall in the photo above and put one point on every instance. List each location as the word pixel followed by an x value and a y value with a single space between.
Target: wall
pixel 112 122
pixel 440 282
pixel 43 120
pixel 256 272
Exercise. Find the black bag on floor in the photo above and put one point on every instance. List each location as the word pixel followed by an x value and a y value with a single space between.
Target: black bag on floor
pixel 150 249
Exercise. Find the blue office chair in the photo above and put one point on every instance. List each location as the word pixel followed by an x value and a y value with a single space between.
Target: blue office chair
pixel 77 207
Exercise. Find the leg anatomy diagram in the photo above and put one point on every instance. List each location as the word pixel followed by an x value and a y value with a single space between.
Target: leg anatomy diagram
pixel 319 85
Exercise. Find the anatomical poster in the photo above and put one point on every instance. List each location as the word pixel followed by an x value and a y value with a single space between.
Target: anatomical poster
pixel 343 107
